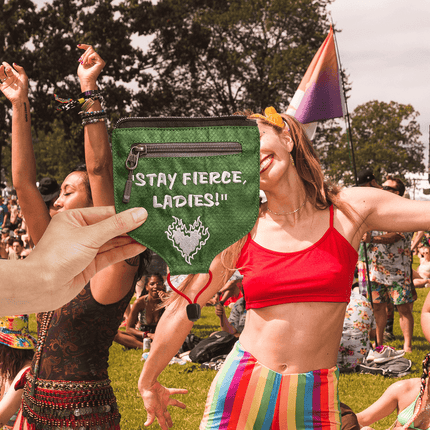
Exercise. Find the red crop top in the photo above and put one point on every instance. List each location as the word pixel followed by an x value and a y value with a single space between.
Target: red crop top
pixel 321 273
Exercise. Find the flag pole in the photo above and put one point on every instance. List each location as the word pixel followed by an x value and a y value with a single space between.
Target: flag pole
pixel 347 120
pixel 349 135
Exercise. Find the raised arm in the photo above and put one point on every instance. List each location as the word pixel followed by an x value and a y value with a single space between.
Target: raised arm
pixel 15 88
pixel 112 284
pixel 98 156
pixel 172 329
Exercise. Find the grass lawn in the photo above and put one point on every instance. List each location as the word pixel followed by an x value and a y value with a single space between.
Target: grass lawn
pixel 357 391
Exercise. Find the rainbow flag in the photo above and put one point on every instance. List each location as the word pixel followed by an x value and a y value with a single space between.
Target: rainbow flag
pixel 319 96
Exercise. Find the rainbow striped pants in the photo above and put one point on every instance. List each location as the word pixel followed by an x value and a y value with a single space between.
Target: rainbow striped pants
pixel 245 395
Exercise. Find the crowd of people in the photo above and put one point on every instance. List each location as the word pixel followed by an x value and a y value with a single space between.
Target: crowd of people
pixel 298 319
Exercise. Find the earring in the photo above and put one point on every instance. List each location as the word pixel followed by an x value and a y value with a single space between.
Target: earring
pixel 292 160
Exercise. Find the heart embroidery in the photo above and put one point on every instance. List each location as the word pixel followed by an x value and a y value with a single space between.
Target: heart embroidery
pixel 187 241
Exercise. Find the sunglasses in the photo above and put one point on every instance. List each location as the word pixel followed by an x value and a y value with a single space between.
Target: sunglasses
pixel 387 188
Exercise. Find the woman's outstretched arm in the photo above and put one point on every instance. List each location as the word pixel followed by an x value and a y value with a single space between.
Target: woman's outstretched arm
pixel 110 285
pixel 171 331
pixel 390 401
pixel 98 155
pixel 35 211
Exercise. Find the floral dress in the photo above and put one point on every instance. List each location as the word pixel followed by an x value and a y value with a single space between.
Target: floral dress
pixel 358 322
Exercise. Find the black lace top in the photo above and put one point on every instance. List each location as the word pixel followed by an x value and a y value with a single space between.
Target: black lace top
pixel 79 337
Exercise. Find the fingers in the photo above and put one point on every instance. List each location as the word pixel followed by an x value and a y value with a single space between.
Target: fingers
pixel 116 255
pixel 20 70
pixel 90 56
pixel 116 242
pixel 9 71
pixel 149 419
pixel 117 225
pixel 177 391
pixel 161 420
pixel 5 72
pixel 177 403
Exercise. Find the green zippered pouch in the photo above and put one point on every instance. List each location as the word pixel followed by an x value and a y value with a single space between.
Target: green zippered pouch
pixel 198 178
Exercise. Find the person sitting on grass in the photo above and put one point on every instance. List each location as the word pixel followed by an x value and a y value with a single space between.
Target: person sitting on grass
pixel 409 397
pixel 145 313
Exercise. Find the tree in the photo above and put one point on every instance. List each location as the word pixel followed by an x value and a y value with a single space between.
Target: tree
pixel 215 57
pixel 44 42
pixel 386 138
pixel 16 18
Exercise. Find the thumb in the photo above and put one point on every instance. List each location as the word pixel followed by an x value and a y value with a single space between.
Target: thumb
pixel 149 419
pixel 117 225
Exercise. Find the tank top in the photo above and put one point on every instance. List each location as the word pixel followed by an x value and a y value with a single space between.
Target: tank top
pixel 79 337
pixel 323 272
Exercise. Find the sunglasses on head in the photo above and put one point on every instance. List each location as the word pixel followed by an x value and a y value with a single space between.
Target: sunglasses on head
pixel 387 188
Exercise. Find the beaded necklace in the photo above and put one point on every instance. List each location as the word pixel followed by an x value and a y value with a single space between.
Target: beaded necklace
pixel 46 320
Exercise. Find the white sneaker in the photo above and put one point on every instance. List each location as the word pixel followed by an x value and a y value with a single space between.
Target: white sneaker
pixel 387 353
pixel 370 357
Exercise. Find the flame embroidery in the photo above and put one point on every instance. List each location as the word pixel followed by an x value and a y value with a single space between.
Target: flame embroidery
pixel 187 241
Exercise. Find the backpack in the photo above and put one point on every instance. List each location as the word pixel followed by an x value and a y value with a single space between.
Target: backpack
pixel 220 343
pixel 393 369
pixel 189 343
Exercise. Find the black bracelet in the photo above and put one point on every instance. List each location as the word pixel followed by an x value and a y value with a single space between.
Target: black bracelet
pixel 90 93
pixel 92 113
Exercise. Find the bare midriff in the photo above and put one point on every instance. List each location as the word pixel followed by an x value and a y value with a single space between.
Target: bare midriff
pixel 295 337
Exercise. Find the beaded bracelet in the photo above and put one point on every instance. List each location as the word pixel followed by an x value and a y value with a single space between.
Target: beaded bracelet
pixel 92 113
pixel 87 104
pixel 93 120
pixel 101 115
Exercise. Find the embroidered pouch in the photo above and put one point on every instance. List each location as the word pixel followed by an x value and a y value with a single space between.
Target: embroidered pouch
pixel 198 178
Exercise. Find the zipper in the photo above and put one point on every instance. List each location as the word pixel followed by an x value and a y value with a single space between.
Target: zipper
pixel 180 121
pixel 194 149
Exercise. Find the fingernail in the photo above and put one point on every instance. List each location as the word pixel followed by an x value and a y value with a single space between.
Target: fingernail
pixel 139 214
pixel 79 44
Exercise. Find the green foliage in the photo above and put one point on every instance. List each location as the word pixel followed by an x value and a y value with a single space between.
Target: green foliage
pixel 216 58
pixel 45 43
pixel 56 153
pixel 386 139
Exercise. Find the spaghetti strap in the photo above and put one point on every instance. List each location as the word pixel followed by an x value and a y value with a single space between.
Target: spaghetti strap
pixel 331 216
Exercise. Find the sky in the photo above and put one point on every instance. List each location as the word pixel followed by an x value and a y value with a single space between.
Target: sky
pixel 385 48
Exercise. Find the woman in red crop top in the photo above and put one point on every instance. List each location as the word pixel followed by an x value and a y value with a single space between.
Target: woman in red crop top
pixel 298 263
